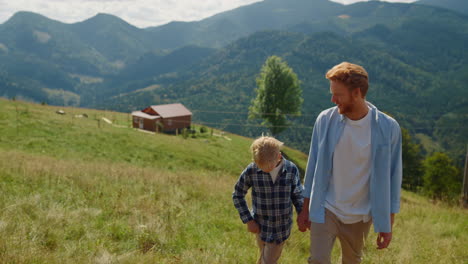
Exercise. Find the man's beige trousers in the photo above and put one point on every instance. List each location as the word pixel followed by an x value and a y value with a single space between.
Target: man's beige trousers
pixel 323 236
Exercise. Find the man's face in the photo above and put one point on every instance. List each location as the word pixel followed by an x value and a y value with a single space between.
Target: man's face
pixel 344 99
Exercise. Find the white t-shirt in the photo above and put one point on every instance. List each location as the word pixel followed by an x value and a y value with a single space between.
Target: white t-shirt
pixel 274 173
pixel 348 191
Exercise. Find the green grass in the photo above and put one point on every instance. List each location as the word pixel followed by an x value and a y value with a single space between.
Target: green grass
pixel 37 129
pixel 71 192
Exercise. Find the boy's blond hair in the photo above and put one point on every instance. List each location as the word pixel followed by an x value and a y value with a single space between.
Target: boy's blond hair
pixel 352 75
pixel 265 149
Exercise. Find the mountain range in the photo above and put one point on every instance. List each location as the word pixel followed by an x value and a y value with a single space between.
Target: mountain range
pixel 415 54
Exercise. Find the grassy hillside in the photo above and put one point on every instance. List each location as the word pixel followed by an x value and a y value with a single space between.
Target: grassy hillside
pixel 73 192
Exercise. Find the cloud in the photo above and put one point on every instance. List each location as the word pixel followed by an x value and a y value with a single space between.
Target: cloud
pixel 141 13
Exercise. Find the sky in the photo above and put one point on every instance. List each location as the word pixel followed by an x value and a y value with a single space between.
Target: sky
pixel 140 13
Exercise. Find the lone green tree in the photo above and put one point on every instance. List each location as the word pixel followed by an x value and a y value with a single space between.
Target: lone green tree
pixel 278 94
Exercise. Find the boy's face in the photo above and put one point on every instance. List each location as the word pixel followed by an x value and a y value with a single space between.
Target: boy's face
pixel 268 166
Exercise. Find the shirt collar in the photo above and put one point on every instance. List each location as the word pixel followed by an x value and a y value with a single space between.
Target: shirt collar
pixel 372 112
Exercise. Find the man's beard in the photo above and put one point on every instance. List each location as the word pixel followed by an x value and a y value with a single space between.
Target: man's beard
pixel 347 107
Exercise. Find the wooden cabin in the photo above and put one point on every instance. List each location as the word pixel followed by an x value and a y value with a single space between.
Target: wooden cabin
pixel 163 118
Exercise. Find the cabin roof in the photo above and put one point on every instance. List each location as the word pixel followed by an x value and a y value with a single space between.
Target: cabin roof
pixel 171 110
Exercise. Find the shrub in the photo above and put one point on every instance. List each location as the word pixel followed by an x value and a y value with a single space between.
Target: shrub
pixel 203 129
pixel 442 180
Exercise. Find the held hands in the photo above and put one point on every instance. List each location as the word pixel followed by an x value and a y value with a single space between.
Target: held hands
pixel 253 227
pixel 303 222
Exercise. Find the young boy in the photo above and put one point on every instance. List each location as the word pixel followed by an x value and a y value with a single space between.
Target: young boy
pixel 276 185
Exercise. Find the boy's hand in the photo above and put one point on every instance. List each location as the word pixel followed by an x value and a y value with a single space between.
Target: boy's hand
pixel 253 227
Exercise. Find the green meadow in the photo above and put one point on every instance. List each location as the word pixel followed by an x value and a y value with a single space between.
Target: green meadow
pixel 81 190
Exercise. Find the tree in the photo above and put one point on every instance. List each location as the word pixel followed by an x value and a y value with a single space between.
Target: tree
pixel 278 94
pixel 441 178
pixel 413 169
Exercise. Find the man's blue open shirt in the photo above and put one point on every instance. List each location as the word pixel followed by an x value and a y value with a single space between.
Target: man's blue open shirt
pixel 386 165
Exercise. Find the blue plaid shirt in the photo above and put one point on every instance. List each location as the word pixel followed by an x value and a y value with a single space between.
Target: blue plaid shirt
pixel 271 202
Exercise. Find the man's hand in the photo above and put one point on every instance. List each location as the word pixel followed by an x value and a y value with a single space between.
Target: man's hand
pixel 253 227
pixel 383 240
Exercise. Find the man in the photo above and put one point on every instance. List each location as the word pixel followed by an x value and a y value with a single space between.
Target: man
pixel 354 171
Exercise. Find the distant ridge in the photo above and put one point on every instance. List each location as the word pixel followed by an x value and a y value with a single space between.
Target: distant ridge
pixel 113 37
pixel 460 6
pixel 220 29
pixel 29 17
